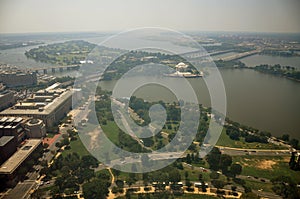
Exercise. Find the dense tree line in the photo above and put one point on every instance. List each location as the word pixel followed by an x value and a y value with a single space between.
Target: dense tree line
pixel 293 142
pixel 235 132
pixel 97 187
pixel 73 171
pixel 230 64
pixel 285 71
pixel 218 161
pixel 286 187
pixel 294 162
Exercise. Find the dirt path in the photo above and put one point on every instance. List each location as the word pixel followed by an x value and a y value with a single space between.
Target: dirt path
pixel 111 195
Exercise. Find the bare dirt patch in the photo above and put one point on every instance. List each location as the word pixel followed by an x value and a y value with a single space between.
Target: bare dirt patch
pixel 266 164
pixel 286 159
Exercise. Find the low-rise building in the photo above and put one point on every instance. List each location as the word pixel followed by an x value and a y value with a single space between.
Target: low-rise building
pixel 12 76
pixel 8 146
pixel 9 169
pixel 13 126
pixel 22 128
pixel 49 105
pixel 35 128
pixel 7 99
pixel 15 79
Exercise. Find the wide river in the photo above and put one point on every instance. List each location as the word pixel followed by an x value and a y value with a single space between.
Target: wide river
pixel 253 98
pixel 259 100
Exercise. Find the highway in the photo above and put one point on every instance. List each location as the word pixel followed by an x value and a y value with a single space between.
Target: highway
pixel 240 55
pixel 258 152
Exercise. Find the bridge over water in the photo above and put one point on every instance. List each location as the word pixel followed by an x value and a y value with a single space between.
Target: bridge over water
pixel 54 69
pixel 201 54
pixel 240 55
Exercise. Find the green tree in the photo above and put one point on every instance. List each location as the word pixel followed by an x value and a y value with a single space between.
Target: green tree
pixel 292 162
pixel 116 171
pixel 213 159
pixel 186 174
pixel 286 187
pixel 214 175
pixel 188 159
pixel 225 162
pixel 174 176
pixel 219 184
pixel 235 169
pixel 89 161
pixel 58 144
pixel 285 137
pixel 294 143
pixel 95 189
pixel 200 177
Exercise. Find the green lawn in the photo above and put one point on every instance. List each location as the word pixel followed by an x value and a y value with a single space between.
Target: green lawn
pixel 76 146
pixel 255 185
pixel 225 140
pixel 193 174
pixel 111 130
pixel 266 167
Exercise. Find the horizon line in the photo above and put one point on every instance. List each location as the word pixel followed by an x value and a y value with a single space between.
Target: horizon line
pixel 116 31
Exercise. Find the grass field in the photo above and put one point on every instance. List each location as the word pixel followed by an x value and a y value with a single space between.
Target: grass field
pixel 193 174
pixel 266 167
pixel 225 140
pixel 76 146
pixel 255 185
pixel 111 130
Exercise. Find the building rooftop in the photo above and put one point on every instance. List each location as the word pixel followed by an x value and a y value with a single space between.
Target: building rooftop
pixel 5 139
pixel 18 157
pixel 10 119
pixel 46 109
pixel 53 86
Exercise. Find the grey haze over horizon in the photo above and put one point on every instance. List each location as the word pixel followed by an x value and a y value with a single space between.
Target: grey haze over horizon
pixel 29 16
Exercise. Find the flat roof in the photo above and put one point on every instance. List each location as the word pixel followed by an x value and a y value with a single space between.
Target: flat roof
pixel 47 109
pixel 25 104
pixel 5 139
pixel 11 120
pixel 3 119
pixel 53 86
pixel 18 157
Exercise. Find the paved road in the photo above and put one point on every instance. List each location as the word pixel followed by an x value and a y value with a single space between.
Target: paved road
pixel 21 190
pixel 258 152
pixel 267 194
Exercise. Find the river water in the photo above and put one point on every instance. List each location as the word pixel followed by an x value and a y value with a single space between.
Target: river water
pixel 259 100
pixel 255 99
pixel 256 60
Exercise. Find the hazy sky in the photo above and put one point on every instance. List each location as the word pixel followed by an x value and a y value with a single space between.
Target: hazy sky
pixel 107 15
